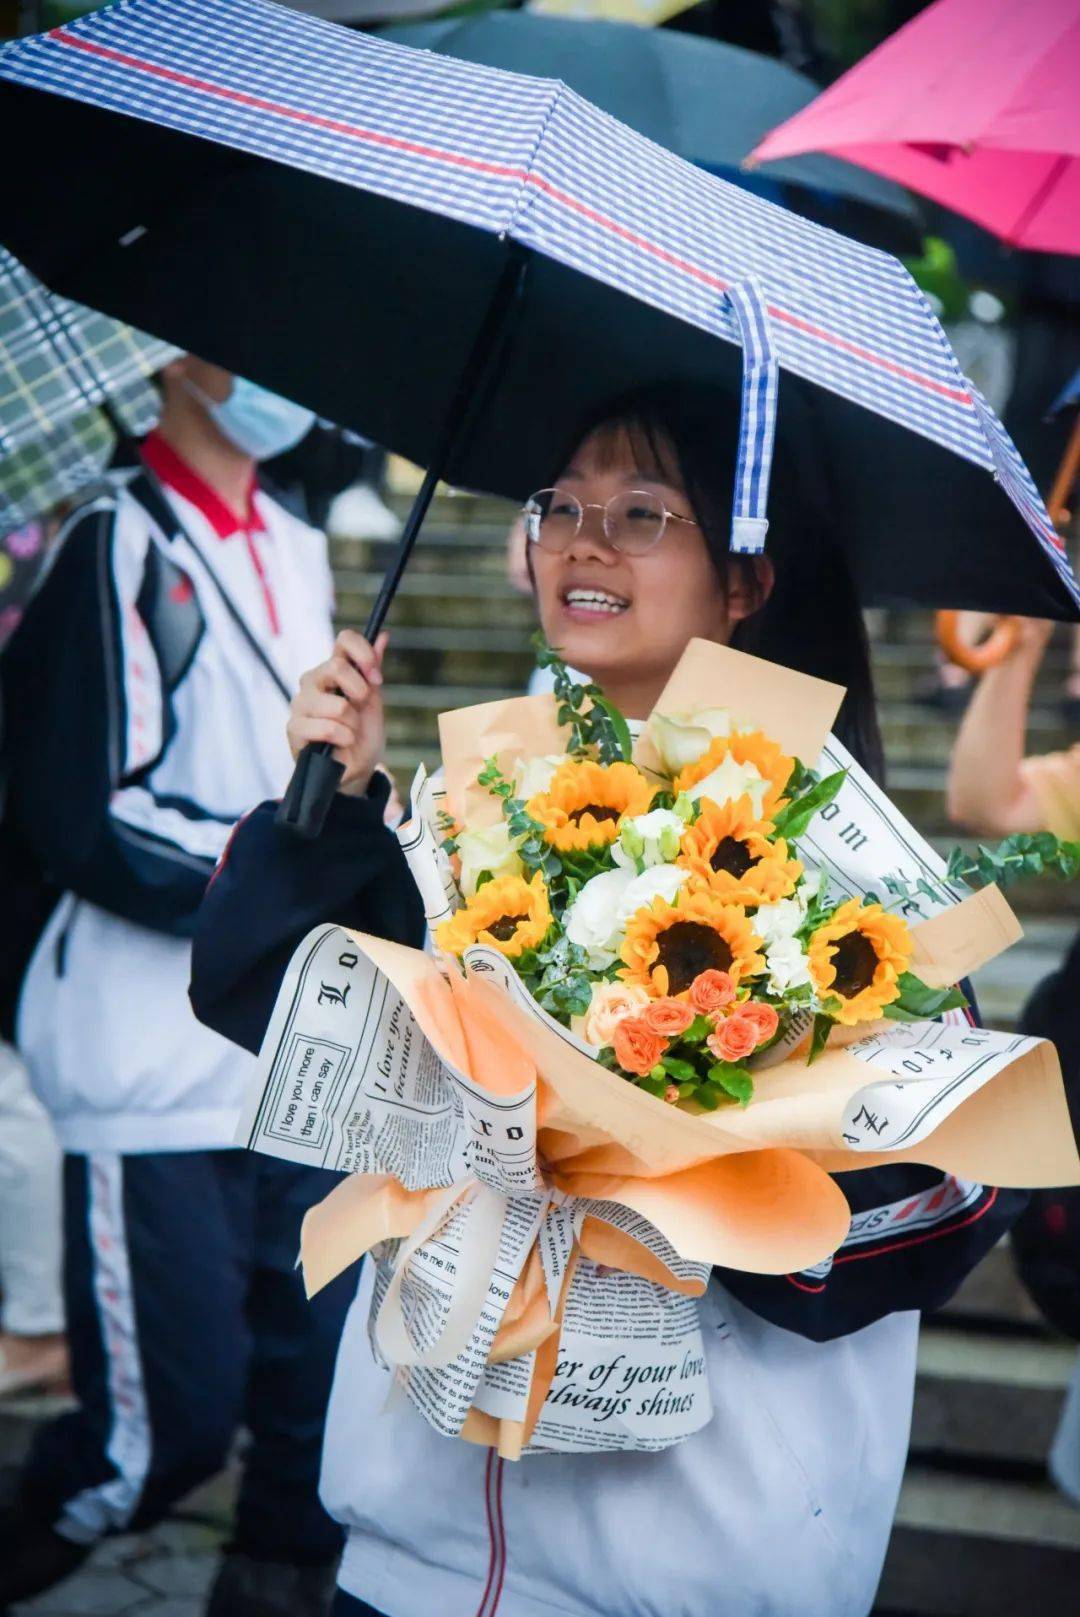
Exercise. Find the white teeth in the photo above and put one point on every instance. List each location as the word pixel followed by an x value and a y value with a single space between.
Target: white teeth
pixel 596 601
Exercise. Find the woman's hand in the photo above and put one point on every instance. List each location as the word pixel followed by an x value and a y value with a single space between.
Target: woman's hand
pixel 340 702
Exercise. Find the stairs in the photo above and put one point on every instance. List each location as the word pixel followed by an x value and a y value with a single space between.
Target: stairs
pixel 980 1531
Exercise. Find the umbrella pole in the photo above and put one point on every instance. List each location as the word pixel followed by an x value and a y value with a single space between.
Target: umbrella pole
pixel 317 774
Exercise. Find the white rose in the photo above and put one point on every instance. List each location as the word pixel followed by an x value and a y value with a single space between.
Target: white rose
pixel 592 919
pixel 774 922
pixel 731 780
pixel 661 881
pixel 492 849
pixel 534 775
pixel 681 739
pixel 653 837
pixel 787 965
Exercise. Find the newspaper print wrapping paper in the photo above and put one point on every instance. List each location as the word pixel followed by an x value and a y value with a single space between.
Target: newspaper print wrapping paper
pixel 542 1228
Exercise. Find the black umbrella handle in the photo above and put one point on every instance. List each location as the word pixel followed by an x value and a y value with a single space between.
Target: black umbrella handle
pixel 318 773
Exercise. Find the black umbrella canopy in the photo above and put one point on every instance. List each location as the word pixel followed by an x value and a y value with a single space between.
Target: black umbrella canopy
pixel 709 102
pixel 365 308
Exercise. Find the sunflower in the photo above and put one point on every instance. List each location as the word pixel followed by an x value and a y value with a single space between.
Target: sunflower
pixel 857 958
pixel 585 803
pixel 749 756
pixel 667 946
pixel 509 914
pixel 736 854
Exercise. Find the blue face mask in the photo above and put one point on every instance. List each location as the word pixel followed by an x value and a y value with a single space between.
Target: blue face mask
pixel 260 423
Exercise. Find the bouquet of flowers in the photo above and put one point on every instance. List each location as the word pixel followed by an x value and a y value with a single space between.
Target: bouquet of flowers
pixel 677 981
pixel 664 914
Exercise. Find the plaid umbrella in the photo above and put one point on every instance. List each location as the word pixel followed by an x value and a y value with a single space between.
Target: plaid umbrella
pixel 460 262
pixel 58 364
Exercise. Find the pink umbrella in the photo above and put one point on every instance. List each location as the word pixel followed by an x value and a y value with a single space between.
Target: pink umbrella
pixel 975 103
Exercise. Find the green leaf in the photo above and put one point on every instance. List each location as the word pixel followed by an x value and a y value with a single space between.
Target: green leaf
pixel 819 1037
pixel 482 880
pixel 698 1031
pixel 653 1086
pixel 793 820
pixel 708 1096
pixel 733 1080
pixel 919 1003
pixel 684 1072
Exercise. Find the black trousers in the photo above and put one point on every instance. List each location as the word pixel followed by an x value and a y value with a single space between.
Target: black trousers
pixel 348 1606
pixel 187 1320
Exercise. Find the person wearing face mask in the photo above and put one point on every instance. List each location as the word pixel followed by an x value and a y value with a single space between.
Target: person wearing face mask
pixel 146 695
pixel 782 1505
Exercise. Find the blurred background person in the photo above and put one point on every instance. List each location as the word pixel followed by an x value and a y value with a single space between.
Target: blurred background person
pixel 996 789
pixel 145 695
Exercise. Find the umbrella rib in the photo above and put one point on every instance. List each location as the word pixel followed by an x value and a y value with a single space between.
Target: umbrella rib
pixel 528 177
pixel 1035 203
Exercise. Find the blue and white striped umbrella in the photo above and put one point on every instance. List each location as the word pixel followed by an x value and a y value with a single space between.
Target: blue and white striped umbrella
pixel 329 213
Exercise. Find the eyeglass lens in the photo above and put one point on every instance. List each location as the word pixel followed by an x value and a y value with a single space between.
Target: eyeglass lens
pixel 633 521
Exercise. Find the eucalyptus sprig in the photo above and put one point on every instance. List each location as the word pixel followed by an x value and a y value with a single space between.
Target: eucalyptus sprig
pixel 534 853
pixel 449 828
pixel 561 983
pixel 1037 853
pixel 596 725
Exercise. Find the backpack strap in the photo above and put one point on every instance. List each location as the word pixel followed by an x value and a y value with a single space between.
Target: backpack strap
pixel 147 492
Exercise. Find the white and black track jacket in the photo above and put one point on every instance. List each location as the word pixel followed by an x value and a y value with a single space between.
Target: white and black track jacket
pixel 147 698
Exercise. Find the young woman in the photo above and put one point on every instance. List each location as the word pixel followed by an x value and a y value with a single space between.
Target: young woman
pixel 783 1503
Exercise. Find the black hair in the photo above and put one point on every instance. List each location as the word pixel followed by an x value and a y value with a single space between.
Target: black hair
pixel 686 434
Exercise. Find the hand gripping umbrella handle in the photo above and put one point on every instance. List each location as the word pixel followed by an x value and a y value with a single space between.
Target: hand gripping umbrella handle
pixel 317 774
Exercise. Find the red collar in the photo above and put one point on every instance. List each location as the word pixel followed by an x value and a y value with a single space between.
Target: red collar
pixel 168 467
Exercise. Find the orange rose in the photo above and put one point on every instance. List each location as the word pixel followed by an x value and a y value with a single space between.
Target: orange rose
pixel 669 1018
pixel 764 1017
pixel 734 1039
pixel 710 991
pixel 637 1047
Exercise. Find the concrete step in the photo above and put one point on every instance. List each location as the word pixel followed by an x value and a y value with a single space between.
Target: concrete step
pixel 980 1547
pixel 979 1528
pixel 988 1399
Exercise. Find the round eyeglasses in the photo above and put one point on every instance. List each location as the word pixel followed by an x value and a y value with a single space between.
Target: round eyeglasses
pixel 633 522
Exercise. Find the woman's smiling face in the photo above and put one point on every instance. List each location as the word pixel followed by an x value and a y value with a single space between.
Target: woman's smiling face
pixel 622 617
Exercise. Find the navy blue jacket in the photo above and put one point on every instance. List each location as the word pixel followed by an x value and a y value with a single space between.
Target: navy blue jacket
pixel 915 1234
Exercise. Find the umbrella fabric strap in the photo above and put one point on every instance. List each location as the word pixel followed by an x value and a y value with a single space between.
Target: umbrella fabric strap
pixel 757 417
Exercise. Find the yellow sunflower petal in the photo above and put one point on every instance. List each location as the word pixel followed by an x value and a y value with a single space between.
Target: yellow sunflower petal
pixel 586 802
pixel 509 914
pixel 666 946
pixel 857 957
pixel 732 851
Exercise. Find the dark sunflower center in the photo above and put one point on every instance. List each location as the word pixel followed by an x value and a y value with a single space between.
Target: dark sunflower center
pixel 855 960
pixel 505 927
pixel 733 856
pixel 687 949
pixel 597 810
